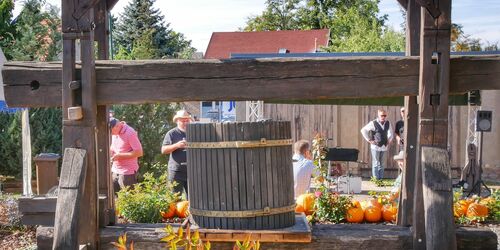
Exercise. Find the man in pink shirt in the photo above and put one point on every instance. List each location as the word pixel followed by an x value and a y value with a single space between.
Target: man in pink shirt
pixel 125 150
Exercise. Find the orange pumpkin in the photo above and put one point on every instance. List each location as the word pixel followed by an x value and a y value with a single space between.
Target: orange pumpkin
pixel 369 203
pixel 389 213
pixel 356 204
pixel 355 215
pixel 182 209
pixel 477 210
pixel 460 207
pixel 305 204
pixel 373 214
pixel 171 211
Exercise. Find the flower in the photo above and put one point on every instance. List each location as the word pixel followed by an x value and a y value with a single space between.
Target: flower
pixel 318 194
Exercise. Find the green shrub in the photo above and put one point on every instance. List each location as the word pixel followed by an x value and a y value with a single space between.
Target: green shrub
pixel 146 200
pixel 331 206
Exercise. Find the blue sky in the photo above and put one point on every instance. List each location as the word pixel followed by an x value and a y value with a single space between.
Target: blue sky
pixel 197 19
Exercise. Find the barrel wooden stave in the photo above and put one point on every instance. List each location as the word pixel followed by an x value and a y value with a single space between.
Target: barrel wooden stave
pixel 233 179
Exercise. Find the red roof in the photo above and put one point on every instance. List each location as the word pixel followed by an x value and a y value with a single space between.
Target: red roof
pixel 223 44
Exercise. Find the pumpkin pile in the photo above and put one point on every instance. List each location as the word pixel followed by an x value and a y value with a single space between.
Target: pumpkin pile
pixel 373 211
pixel 472 209
pixel 179 209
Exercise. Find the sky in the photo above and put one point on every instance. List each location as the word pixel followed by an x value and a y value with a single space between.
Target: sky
pixel 197 19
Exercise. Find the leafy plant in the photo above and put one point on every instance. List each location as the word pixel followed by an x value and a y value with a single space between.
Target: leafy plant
pixel 146 200
pixel 382 182
pixel 186 240
pixel 319 151
pixel 494 206
pixel 122 243
pixel 331 206
pixel 247 244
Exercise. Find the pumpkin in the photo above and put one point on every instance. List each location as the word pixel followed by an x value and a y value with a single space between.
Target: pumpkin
pixel 182 209
pixel 389 213
pixel 460 207
pixel 373 214
pixel 477 210
pixel 458 211
pixel 305 204
pixel 172 208
pixel 369 203
pixel 355 215
pixel 356 204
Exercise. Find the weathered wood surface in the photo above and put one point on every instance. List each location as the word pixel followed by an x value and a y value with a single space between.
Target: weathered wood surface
pixel 348 236
pixel 238 179
pixel 133 82
pixel 41 210
pixel 70 193
pixel 434 89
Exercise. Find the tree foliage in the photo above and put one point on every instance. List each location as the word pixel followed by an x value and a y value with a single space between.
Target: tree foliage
pixel 35 35
pixel 355 25
pixel 140 22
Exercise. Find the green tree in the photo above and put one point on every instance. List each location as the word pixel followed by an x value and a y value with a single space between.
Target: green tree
pixel 355 25
pixel 7 30
pixel 151 121
pixel 139 18
pixel 37 36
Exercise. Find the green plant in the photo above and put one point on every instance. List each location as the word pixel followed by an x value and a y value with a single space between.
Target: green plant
pixel 494 206
pixel 186 240
pixel 382 182
pixel 319 150
pixel 331 207
pixel 146 200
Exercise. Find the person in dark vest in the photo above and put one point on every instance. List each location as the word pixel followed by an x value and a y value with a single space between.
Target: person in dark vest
pixel 399 130
pixel 175 144
pixel 379 134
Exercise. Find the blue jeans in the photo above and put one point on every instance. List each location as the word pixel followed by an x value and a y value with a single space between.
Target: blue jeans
pixel 378 159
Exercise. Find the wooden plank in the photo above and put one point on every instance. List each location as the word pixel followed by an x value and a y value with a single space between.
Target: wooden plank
pixel 73 173
pixel 438 200
pixel 227 175
pixel 204 172
pixel 405 209
pixel 37 205
pixel 234 175
pixel 258 132
pixel 248 134
pixel 264 79
pixel 44 219
pixel 215 175
pixel 242 184
pixel 221 175
pixel 210 170
pixel 269 175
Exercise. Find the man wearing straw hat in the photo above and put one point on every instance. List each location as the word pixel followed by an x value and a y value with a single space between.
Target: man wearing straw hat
pixel 175 143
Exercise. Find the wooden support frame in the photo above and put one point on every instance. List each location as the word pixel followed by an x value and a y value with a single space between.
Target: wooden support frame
pixel 434 89
pixel 135 82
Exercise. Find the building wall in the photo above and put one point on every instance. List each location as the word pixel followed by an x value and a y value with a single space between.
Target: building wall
pixel 343 123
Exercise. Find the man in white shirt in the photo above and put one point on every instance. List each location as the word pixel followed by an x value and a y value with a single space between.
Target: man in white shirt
pixel 303 167
pixel 379 134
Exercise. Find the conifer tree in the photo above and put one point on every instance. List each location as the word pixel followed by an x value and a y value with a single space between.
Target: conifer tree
pixel 140 17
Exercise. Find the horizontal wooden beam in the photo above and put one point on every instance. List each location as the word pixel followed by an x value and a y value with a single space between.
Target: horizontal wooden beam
pixel 30 84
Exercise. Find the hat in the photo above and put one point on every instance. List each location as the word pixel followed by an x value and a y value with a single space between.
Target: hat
pixel 182 114
pixel 113 122
pixel 400 156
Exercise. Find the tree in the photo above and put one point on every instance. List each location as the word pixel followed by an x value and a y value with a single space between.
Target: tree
pixel 7 30
pixel 37 35
pixel 355 25
pixel 139 18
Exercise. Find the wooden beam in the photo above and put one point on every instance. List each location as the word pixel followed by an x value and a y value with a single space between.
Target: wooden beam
pixel 134 82
pixel 68 202
pixel 434 89
pixel 107 213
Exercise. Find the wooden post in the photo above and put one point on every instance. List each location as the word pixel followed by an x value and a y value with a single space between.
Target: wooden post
pixel 434 84
pixel 78 23
pixel 107 213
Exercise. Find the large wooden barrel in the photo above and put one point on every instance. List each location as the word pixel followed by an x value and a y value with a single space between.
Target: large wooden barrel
pixel 241 175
